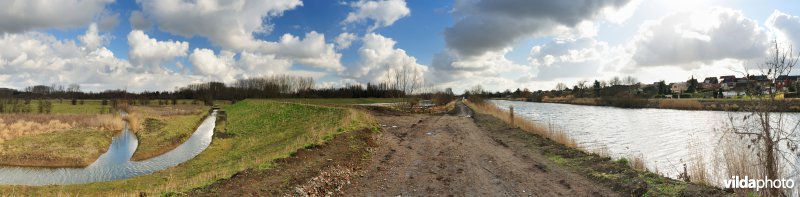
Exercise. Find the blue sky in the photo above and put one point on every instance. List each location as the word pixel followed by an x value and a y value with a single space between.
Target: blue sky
pixel 502 44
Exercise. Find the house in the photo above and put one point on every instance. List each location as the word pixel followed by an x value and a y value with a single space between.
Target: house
pixel 679 87
pixel 784 81
pixel 710 83
pixel 711 80
pixel 760 80
pixel 728 82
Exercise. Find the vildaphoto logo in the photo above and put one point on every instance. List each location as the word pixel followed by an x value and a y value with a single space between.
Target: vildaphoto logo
pixel 747 183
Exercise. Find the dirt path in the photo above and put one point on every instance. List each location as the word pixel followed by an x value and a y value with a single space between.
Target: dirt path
pixel 424 155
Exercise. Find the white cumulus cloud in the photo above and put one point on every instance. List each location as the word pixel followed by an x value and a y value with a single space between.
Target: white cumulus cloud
pixel 227 23
pixel 786 27
pixel 149 53
pixel 383 12
pixel 379 57
pixel 344 40
pixel 23 15
pixel 684 39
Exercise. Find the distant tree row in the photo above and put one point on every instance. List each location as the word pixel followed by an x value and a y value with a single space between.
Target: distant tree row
pixel 278 86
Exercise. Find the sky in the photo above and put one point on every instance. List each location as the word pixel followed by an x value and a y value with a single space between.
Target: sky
pixel 153 45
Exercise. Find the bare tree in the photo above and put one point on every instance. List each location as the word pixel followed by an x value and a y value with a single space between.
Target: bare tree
pixel 615 81
pixel 561 86
pixel 773 137
pixel 630 80
pixel 632 84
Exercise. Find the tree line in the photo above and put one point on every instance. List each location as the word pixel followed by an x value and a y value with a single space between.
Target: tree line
pixel 276 86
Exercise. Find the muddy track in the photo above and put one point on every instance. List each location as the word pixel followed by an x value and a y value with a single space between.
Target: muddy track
pixel 425 155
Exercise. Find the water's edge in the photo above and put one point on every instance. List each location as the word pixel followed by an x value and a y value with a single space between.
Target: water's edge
pixel 116 162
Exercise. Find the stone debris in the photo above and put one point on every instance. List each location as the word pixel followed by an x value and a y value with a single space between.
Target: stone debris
pixel 328 183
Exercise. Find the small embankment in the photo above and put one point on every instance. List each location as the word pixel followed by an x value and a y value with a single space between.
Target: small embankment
pixel 311 171
pixel 625 176
pixel 161 129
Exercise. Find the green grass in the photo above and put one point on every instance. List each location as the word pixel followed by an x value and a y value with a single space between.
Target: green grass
pixel 262 131
pixel 160 135
pixel 77 147
pixel 347 101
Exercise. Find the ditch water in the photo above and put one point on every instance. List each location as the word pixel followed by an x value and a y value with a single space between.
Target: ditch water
pixel 665 138
pixel 115 163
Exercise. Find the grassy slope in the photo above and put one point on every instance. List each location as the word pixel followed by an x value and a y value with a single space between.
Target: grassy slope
pixel 260 132
pixel 163 134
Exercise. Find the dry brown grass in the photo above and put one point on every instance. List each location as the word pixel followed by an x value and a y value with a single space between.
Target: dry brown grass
pixel 550 133
pixel 602 151
pixel 738 160
pixel 18 125
pixel 698 171
pixel 686 104
pixel 137 114
pixel 637 163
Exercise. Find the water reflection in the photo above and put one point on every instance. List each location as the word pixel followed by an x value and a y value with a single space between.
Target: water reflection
pixel 666 138
pixel 115 163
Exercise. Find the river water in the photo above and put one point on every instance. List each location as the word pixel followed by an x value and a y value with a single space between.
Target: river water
pixel 115 163
pixel 665 138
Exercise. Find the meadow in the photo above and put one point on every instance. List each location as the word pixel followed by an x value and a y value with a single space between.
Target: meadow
pixel 257 132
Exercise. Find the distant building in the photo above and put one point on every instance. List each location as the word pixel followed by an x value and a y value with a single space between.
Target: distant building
pixel 711 80
pixel 679 87
pixel 710 83
pixel 784 81
pixel 728 82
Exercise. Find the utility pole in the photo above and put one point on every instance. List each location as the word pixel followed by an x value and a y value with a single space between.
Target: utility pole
pixel 511 110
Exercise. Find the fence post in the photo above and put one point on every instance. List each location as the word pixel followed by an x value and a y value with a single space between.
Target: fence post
pixel 511 110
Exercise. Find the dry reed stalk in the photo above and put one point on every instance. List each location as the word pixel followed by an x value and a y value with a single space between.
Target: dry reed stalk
pixel 637 163
pixel 680 104
pixel 602 151
pixel 698 171
pixel 739 160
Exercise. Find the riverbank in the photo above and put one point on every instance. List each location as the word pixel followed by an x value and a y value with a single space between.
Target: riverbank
pixel 55 140
pixel 257 133
pixel 616 174
pixel 788 105
pixel 161 129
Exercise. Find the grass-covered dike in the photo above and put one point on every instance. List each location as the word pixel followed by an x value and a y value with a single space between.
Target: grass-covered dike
pixel 257 132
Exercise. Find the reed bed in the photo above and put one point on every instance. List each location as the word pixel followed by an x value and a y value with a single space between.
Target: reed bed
pixel 685 104
pixel 19 125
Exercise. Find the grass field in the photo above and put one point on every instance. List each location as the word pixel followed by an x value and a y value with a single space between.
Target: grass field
pixel 339 102
pixel 258 132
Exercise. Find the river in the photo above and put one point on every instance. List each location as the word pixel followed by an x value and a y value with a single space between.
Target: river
pixel 665 138
pixel 115 163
